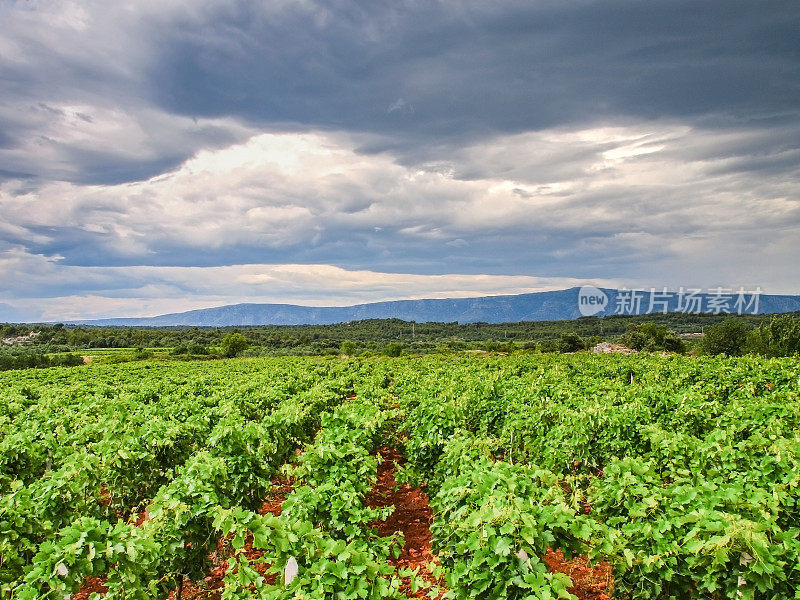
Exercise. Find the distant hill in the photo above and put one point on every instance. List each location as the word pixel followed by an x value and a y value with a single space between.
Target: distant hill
pixel 540 306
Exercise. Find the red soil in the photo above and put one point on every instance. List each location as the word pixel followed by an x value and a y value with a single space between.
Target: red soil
pixel 588 582
pixel 105 497
pixel 277 494
pixel 412 516
pixel 90 586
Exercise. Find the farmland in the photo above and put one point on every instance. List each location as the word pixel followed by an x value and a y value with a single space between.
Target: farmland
pixel 678 476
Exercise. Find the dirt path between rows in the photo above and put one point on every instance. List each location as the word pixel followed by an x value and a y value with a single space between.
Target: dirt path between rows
pixel 412 517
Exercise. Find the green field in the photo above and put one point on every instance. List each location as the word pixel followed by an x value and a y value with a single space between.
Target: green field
pixel 680 473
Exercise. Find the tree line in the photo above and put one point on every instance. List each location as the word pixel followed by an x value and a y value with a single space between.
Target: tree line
pixel 766 335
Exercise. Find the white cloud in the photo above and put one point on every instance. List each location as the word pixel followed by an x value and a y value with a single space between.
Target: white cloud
pixel 292 181
pixel 606 196
pixel 400 106
pixel 283 188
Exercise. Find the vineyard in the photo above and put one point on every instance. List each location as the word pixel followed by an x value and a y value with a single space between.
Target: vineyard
pixel 279 478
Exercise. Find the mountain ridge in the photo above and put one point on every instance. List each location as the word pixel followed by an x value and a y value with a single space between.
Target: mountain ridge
pixel 555 305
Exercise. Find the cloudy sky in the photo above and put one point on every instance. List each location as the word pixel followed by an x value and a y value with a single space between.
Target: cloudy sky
pixel 158 156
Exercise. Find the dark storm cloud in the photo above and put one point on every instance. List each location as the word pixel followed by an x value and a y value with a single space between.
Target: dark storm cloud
pixel 425 77
pixel 489 67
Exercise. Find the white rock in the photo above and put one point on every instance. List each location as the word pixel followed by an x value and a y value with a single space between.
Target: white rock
pixel 291 571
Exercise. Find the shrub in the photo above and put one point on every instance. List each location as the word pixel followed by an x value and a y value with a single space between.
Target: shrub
pixel 571 342
pixel 673 343
pixel 233 344
pixel 728 337
pixel 393 349
pixel 198 350
pixel 645 336
pixel 779 337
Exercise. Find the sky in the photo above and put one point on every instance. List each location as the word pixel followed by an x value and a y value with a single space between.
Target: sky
pixel 161 156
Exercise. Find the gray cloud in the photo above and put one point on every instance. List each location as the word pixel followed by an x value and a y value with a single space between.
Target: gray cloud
pixel 614 200
pixel 472 67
